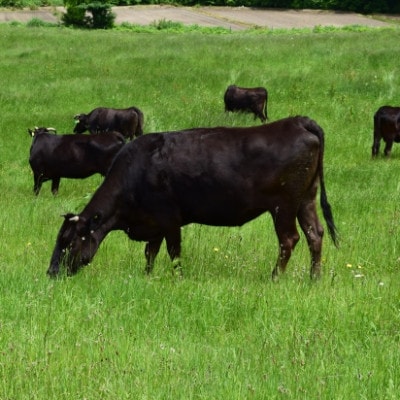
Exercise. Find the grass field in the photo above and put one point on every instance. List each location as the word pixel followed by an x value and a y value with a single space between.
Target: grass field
pixel 225 330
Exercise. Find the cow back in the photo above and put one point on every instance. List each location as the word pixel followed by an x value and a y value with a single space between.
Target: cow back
pixel 128 121
pixel 73 156
pixel 241 172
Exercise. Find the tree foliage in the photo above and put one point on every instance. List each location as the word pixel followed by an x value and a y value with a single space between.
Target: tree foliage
pixel 362 6
pixel 97 14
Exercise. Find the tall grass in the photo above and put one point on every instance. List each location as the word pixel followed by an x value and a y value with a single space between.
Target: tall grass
pixel 223 331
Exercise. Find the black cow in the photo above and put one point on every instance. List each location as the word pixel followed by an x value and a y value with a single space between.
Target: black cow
pixel 53 157
pixel 128 121
pixel 214 176
pixel 251 100
pixel 386 127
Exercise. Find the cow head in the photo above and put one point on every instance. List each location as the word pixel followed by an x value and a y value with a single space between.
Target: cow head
pixel 77 242
pixel 39 130
pixel 81 123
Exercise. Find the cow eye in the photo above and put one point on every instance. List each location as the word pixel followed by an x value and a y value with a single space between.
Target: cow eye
pixel 95 222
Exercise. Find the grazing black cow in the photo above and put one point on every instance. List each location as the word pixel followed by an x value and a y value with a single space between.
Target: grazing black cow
pixel 214 176
pixel 53 157
pixel 251 100
pixel 386 127
pixel 128 121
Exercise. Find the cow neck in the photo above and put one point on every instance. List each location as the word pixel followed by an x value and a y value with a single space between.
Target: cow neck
pixel 105 208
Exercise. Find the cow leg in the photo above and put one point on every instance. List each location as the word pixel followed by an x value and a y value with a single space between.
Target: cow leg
pixel 285 227
pixel 173 239
pixel 312 228
pixel 55 183
pixel 388 147
pixel 151 250
pixel 376 144
pixel 37 183
pixel 261 115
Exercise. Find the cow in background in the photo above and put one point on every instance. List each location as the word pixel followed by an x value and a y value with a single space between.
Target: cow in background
pixel 214 176
pixel 128 121
pixel 386 127
pixel 250 100
pixel 53 157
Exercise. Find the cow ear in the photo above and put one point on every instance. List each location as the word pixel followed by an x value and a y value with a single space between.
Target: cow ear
pixel 71 217
pixel 79 117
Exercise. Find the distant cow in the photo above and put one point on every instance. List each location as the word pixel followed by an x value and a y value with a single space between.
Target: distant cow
pixel 53 157
pixel 251 100
pixel 214 176
pixel 128 121
pixel 386 127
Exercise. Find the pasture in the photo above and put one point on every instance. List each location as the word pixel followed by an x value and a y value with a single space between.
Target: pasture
pixel 225 330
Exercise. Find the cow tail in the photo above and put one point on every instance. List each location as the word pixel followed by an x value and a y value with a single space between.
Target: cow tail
pixel 265 104
pixel 397 127
pixel 139 113
pixel 314 128
pixel 141 123
pixel 377 129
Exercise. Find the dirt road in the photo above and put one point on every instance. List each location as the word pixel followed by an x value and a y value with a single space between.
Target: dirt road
pixel 235 18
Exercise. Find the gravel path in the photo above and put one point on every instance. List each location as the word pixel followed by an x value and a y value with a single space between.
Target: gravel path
pixel 235 18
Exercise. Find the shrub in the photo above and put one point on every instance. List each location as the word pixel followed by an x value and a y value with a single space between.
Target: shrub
pixel 75 15
pixel 38 23
pixel 84 14
pixel 102 17
pixel 167 24
pixel 29 3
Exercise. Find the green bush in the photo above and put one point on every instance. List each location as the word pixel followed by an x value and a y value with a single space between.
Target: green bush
pixel 102 16
pixel 75 15
pixel 29 3
pixel 369 6
pixel 84 14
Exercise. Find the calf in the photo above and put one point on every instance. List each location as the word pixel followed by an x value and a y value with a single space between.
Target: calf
pixel 251 100
pixel 128 121
pixel 386 127
pixel 53 157
pixel 214 176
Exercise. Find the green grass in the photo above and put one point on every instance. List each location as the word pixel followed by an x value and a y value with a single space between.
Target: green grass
pixel 225 330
